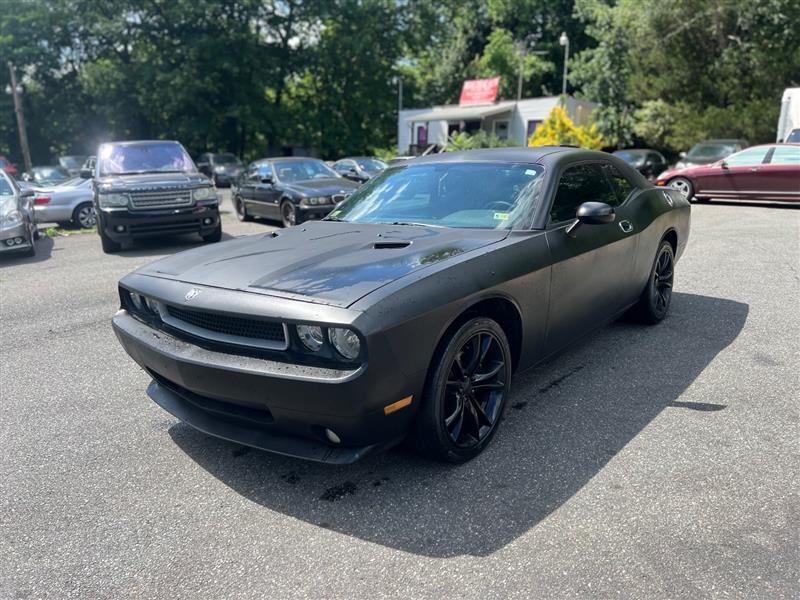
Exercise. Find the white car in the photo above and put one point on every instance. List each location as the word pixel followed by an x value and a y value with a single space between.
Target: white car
pixel 67 203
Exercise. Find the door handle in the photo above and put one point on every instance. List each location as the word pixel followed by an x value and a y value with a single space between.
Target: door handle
pixel 626 226
pixel 754 170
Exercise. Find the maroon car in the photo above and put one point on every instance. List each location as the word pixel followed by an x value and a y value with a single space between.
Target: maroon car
pixel 768 172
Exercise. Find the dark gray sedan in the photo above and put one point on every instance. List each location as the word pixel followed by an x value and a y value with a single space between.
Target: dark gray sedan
pixel 406 312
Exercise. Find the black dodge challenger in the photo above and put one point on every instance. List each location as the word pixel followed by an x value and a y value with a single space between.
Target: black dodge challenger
pixel 405 313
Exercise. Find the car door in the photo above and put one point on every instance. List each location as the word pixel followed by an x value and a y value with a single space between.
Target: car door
pixel 592 267
pixel 780 177
pixel 737 176
pixel 269 192
pixel 246 185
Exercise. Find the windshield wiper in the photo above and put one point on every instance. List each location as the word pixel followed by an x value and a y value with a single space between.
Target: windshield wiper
pixel 330 218
pixel 413 224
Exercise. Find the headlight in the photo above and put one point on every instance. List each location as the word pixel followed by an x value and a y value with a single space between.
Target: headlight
pixel 205 193
pixel 345 341
pixel 219 169
pixel 112 200
pixel 311 336
pixel 12 217
pixel 313 201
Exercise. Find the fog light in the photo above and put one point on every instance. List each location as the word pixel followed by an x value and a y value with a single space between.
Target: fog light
pixel 9 242
pixel 119 228
pixel 332 436
pixel 207 221
pixel 17 240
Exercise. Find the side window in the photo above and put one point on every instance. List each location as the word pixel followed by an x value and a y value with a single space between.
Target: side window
pixel 252 173
pixel 786 155
pixel 579 184
pixel 622 187
pixel 264 170
pixel 751 156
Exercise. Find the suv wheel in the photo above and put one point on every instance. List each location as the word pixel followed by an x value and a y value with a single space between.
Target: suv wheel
pixel 214 236
pixel 109 245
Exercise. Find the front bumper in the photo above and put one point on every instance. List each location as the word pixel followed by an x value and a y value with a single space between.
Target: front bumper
pixel 148 223
pixel 314 212
pixel 12 233
pixel 278 407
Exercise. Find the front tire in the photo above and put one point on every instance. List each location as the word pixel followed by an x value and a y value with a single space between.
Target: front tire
pixel 83 216
pixel 109 245
pixel 684 186
pixel 289 214
pixel 215 236
pixel 655 299
pixel 241 209
pixel 465 393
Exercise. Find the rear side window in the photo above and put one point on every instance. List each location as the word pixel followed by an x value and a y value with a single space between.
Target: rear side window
pixel 622 187
pixel 579 184
pixel 786 155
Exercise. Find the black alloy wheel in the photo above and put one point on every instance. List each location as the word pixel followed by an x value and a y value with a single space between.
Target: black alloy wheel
pixel 465 393
pixel 655 299
pixel 474 390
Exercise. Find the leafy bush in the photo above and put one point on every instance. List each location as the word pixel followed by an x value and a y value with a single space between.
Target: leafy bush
pixel 558 128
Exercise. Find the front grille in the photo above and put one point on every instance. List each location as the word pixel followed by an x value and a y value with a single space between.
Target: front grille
pixel 176 227
pixel 339 198
pixel 225 328
pixel 165 198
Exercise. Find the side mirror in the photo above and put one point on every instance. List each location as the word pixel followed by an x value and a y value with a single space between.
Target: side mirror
pixel 85 173
pixel 591 213
pixel 682 154
pixel 266 180
pixel 723 164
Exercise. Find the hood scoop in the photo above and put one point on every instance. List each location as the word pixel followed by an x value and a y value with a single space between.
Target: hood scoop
pixel 391 245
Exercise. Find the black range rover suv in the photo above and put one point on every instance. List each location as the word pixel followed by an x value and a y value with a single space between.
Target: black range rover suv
pixel 151 188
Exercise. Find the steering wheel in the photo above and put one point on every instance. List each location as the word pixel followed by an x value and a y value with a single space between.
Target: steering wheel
pixel 500 205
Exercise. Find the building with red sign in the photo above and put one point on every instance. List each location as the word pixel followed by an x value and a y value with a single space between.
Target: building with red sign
pixel 418 129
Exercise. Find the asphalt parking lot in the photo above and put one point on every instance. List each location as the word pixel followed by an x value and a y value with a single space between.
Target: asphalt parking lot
pixel 644 462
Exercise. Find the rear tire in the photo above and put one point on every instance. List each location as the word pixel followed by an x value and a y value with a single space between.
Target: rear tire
pixel 654 301
pixel 465 393
pixel 83 216
pixel 109 245
pixel 215 236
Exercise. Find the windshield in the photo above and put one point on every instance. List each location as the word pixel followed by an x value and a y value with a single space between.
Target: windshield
pixel 41 174
pixel 158 157
pixel 465 195
pixel 301 170
pixel 632 158
pixel 794 137
pixel 371 164
pixel 710 151
pixel 226 159
pixel 72 162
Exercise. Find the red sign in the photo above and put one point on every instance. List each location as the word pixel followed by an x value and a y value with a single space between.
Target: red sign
pixel 479 91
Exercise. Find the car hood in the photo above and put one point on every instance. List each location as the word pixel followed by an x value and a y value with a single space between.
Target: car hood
pixel 326 262
pixel 152 180
pixel 322 187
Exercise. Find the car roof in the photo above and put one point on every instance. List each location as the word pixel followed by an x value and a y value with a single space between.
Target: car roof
pixel 537 154
pixel 141 142
pixel 261 161
pixel 722 141
pixel 635 150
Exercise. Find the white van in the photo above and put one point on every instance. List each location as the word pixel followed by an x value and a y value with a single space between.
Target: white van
pixel 790 113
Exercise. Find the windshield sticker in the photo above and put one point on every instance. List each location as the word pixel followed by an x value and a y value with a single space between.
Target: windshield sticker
pixel 531 172
pixel 500 216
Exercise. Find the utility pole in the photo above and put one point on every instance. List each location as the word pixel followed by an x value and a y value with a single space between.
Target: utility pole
pixel 23 135
pixel 564 41
pixel 519 78
pixel 399 95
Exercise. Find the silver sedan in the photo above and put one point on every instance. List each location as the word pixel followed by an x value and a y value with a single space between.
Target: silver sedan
pixel 67 203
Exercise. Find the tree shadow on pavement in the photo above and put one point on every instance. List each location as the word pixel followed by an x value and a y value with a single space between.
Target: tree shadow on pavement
pixel 565 420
